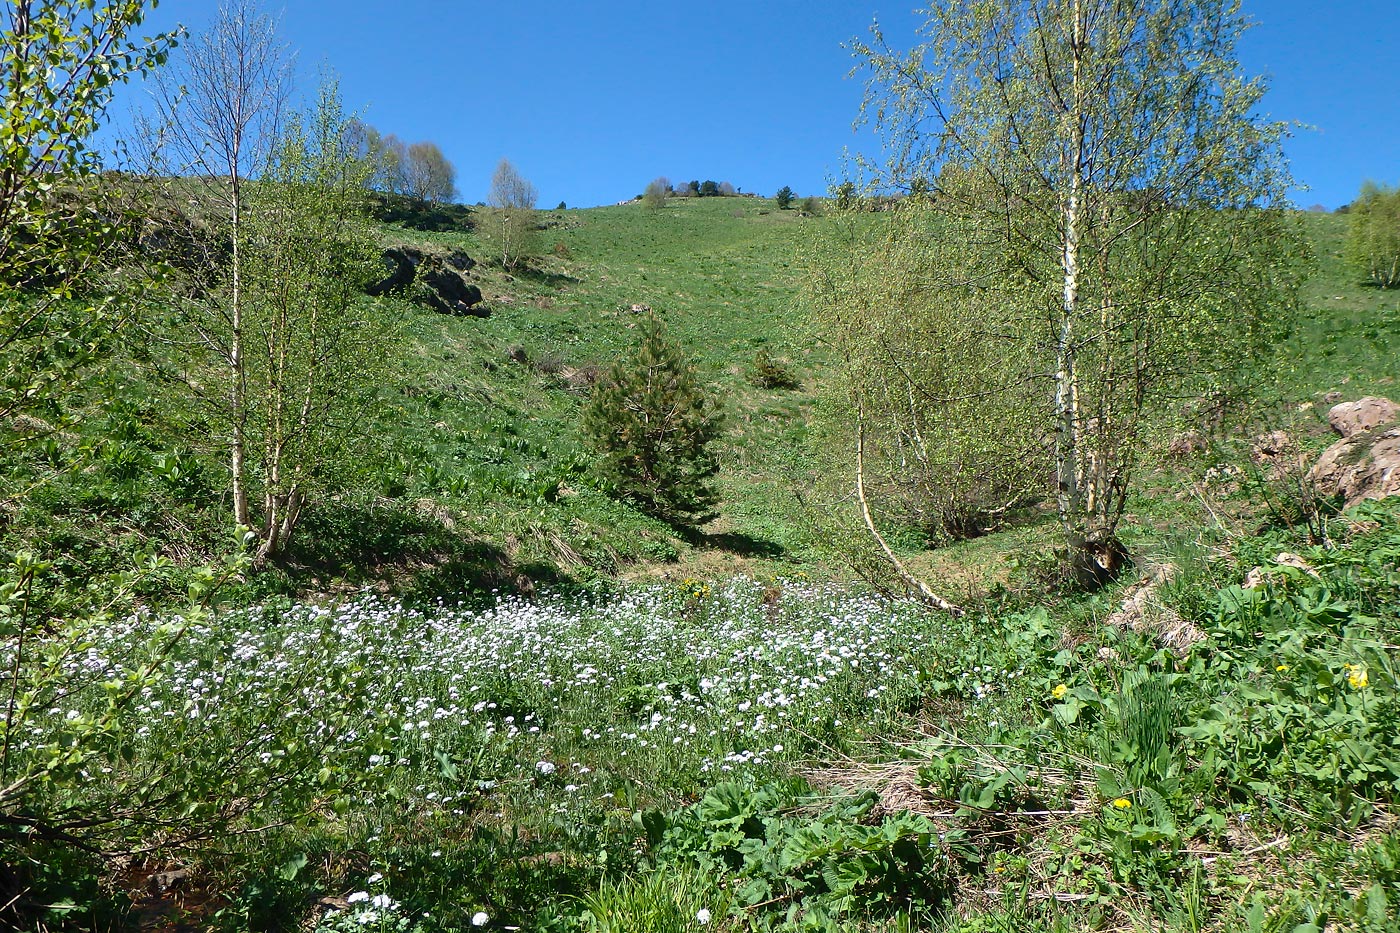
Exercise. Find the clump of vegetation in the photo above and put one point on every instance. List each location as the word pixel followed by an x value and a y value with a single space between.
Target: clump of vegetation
pixel 784 197
pixel 653 425
pixel 768 372
pixel 656 193
pixel 1373 234
pixel 1177 296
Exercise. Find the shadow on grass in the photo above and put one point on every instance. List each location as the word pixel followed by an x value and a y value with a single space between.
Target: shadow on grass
pixel 734 542
pixel 392 545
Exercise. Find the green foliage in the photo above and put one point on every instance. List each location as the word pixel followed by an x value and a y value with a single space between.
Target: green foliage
pixel 652 424
pixel 845 196
pixel 784 197
pixel 674 900
pixel 810 872
pixel 61 62
pixel 656 193
pixel 420 215
pixel 1373 234
pixel 953 432
pixel 1129 238
pixel 315 349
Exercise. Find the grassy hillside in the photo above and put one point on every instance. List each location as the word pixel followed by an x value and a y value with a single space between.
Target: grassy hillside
pixel 478 478
pixel 713 750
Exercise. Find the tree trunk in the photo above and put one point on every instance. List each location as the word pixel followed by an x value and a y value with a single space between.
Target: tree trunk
pixel 1094 554
pixel 238 378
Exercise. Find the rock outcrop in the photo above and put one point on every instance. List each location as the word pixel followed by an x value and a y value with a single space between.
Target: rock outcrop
pixel 436 281
pixel 1365 465
pixel 1364 414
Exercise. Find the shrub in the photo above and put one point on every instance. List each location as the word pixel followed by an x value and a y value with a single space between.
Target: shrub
pixel 784 198
pixel 652 424
pixel 767 372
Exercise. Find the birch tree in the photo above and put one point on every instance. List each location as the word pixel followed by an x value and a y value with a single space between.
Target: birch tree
pixel 1116 205
pixel 511 228
pixel 219 108
pixel 315 348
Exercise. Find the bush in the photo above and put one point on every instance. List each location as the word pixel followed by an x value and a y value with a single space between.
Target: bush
pixel 767 372
pixel 784 198
pixel 652 424
pixel 1373 234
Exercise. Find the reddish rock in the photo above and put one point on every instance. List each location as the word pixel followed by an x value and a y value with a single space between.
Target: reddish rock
pixel 1362 466
pixel 1364 414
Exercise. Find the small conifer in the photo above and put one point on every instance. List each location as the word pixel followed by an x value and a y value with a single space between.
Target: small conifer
pixel 651 423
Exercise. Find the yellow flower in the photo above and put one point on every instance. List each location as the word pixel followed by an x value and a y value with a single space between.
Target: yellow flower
pixel 1122 803
pixel 1281 668
pixel 1059 691
pixel 1357 676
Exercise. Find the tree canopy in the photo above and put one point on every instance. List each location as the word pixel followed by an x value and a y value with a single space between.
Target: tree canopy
pixel 1105 231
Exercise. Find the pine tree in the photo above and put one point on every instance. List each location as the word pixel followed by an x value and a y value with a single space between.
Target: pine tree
pixel 652 423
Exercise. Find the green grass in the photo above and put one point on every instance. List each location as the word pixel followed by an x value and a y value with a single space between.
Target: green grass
pixel 1348 330
pixel 785 754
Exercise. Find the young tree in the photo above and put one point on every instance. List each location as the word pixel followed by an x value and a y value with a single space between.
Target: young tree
pixel 1106 163
pixel 219 109
pixel 656 193
pixel 315 348
pixel 784 197
pixel 652 423
pixel 429 176
pixel 1373 234
pixel 513 225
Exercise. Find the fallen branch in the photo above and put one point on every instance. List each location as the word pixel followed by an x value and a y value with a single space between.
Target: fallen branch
pixel 919 586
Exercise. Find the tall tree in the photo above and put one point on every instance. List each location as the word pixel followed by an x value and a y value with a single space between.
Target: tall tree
pixel 1106 163
pixel 219 109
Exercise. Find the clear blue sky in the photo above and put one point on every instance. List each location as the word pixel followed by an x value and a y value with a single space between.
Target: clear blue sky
pixel 590 101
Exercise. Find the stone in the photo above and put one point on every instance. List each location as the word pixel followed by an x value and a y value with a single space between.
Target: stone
pixel 1184 445
pixel 1351 418
pixel 1271 447
pixel 1363 466
pixel 401 266
pixel 440 280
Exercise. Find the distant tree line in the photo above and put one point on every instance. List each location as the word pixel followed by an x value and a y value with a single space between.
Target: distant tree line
pixel 416 170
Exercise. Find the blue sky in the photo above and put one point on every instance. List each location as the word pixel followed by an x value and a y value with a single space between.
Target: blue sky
pixel 590 101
